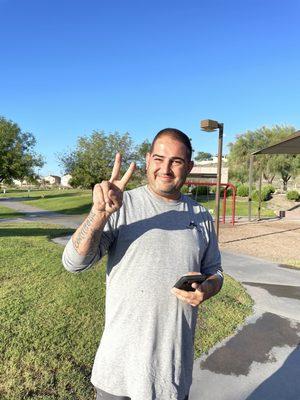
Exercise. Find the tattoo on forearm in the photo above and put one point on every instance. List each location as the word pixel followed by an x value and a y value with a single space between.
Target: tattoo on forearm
pixel 86 231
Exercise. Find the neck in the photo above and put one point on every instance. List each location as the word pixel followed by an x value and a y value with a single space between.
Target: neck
pixel 165 196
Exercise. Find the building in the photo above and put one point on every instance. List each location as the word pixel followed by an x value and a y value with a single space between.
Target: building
pixel 52 179
pixel 206 171
pixel 19 183
pixel 65 180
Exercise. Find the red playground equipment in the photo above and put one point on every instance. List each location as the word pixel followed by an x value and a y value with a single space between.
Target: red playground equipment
pixel 226 186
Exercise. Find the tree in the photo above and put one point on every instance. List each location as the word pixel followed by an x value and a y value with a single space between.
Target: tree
pixel 203 156
pixel 17 157
pixel 288 166
pixel 140 154
pixel 92 160
pixel 251 141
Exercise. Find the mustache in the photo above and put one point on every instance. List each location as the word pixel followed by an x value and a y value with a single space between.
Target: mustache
pixel 167 174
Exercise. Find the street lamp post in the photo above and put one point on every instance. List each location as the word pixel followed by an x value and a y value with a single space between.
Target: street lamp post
pixel 209 125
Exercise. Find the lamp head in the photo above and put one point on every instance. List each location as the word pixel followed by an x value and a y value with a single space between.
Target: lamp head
pixel 209 125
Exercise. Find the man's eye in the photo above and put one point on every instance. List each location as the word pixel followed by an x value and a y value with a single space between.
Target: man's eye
pixel 177 162
pixel 157 159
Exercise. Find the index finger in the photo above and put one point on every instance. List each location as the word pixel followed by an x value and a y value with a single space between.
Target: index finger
pixel 128 174
pixel 116 168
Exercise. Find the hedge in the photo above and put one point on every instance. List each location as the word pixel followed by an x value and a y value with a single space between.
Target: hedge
pixel 293 195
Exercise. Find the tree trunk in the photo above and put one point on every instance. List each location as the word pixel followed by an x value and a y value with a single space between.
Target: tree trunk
pixel 285 182
pixel 268 178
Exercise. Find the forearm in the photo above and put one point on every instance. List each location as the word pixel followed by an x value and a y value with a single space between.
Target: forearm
pixel 87 237
pixel 211 286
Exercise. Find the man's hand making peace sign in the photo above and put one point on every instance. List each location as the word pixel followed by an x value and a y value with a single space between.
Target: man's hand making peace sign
pixel 107 198
pixel 108 195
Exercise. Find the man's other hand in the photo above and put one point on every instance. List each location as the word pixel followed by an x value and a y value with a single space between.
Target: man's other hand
pixel 204 290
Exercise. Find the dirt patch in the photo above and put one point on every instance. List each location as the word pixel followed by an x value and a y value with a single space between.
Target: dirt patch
pixel 280 202
pixel 275 240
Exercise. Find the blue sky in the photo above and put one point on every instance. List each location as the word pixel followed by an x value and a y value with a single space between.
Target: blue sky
pixel 69 67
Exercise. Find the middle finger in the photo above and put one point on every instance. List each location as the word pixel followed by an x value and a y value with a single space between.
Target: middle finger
pixel 115 175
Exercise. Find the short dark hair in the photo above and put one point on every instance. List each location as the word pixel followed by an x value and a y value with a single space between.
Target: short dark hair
pixel 175 134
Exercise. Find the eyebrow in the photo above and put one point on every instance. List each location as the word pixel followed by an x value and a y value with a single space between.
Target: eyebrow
pixel 171 158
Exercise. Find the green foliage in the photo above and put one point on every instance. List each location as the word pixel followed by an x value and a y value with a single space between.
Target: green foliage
pixel 184 189
pixel 241 207
pixel 251 141
pixel 70 201
pixel 266 193
pixel 200 190
pixel 17 156
pixel 288 166
pixel 132 184
pixel 270 188
pixel 140 154
pixel 9 213
pixel 93 159
pixel 293 195
pixel 242 190
pixel 203 156
pixel 213 189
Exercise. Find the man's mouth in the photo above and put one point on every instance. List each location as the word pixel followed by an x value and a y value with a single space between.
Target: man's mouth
pixel 166 177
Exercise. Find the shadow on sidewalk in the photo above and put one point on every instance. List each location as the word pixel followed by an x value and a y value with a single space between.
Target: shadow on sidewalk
pixel 31 231
pixel 284 383
pixel 262 235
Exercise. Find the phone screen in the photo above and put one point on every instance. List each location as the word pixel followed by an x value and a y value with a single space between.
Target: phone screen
pixel 185 282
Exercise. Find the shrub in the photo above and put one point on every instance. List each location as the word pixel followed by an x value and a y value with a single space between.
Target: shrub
pixel 266 193
pixel 236 183
pixel 200 190
pixel 271 188
pixel 214 189
pixel 132 185
pixel 293 195
pixel 243 190
pixel 184 189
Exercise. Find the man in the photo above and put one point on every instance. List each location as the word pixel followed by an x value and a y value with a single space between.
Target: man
pixel 153 235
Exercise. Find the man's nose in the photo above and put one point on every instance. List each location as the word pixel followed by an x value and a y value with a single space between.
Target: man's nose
pixel 166 167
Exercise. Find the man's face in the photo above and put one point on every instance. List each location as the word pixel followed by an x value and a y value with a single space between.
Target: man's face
pixel 167 167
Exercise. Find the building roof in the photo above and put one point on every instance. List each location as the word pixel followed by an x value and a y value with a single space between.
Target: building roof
pixel 291 145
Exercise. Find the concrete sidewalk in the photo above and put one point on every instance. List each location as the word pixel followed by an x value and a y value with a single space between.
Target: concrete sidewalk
pixel 32 214
pixel 261 361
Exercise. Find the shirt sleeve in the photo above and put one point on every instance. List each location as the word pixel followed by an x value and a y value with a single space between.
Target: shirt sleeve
pixel 211 260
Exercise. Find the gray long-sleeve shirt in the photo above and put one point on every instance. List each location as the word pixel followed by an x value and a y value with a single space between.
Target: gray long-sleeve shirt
pixel 146 350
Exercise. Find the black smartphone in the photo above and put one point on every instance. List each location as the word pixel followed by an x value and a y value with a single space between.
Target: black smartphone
pixel 185 282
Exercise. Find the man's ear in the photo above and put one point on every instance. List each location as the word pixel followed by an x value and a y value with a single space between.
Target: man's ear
pixel 148 155
pixel 190 166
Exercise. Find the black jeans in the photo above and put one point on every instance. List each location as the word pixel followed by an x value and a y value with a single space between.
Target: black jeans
pixel 101 395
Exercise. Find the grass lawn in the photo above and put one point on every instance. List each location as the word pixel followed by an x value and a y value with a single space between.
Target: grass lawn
pixel 70 201
pixel 52 320
pixel 25 193
pixel 241 207
pixel 9 213
pixel 293 262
